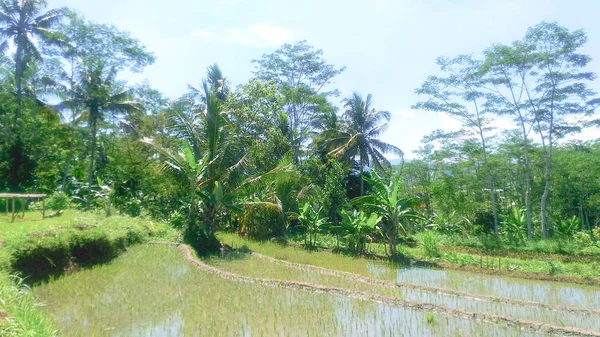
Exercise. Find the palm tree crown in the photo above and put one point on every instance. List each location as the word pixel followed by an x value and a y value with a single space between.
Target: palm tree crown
pixel 364 126
pixel 21 24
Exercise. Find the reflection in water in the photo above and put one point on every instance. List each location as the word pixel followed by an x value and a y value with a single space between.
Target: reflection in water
pixel 529 290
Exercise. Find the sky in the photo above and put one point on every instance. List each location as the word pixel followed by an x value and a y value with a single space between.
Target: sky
pixel 389 47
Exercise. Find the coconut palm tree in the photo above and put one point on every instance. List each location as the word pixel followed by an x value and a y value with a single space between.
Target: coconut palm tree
pixel 98 94
pixel 22 24
pixel 364 126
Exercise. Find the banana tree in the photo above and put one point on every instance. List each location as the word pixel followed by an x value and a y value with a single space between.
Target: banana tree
pixel 385 201
pixel 310 221
pixel 357 227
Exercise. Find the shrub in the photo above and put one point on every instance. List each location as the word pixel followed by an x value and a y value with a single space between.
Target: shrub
pixel 567 227
pixel 430 241
pixel 596 232
pixel 202 242
pixel 178 219
pixel 58 201
pixel 262 220
pixel 583 239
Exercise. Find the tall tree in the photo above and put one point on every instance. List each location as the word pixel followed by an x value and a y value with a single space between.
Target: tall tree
pixel 95 55
pixel 561 99
pixel 361 138
pixel 99 95
pixel 508 80
pixel 22 23
pixel 302 75
pixel 459 95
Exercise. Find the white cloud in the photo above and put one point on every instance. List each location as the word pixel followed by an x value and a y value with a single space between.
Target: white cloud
pixel 258 35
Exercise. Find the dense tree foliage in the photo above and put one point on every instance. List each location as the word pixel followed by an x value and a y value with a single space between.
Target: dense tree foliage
pixel 284 154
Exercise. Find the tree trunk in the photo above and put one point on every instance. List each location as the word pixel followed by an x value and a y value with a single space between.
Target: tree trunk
pixel 362 182
pixel 545 196
pixel 488 174
pixel 19 81
pixel 92 160
pixel 67 165
pixel 392 238
pixel 211 215
pixel 527 183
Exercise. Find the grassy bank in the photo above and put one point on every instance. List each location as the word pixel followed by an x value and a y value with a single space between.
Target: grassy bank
pixel 38 250
pixel 439 251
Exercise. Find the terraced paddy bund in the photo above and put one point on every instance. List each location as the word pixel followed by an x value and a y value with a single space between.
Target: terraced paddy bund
pixel 256 265
pixel 155 291
pixel 551 293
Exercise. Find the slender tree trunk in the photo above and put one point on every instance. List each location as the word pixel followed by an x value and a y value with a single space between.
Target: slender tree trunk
pixel 392 238
pixel 548 165
pixel 362 182
pixel 92 160
pixel 527 183
pixel 67 166
pixel 193 209
pixel 488 174
pixel 19 81
pixel 546 195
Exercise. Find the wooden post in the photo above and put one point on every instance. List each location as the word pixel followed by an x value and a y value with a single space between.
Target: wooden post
pixel 6 202
pixel 23 207
pixel 13 210
pixel 43 208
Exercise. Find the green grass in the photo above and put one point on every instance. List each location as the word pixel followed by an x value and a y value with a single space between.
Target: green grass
pixel 547 266
pixel 437 249
pixel 341 262
pixel 20 311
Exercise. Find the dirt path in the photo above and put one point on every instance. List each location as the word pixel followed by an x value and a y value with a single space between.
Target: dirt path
pixel 399 302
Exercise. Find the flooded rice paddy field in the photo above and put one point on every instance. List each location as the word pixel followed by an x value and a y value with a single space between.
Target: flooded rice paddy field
pixel 154 291
pixel 548 292
pixel 245 264
pixel 529 290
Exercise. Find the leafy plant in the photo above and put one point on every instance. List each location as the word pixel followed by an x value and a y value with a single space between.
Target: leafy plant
pixel 515 227
pixel 357 227
pixel 583 239
pixel 430 241
pixel 58 201
pixel 450 223
pixel 567 227
pixel 394 210
pixel 311 221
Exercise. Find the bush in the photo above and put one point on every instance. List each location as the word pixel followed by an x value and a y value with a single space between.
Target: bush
pixel 262 221
pixel 178 219
pixel 583 239
pixel 58 201
pixel 596 232
pixel 430 241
